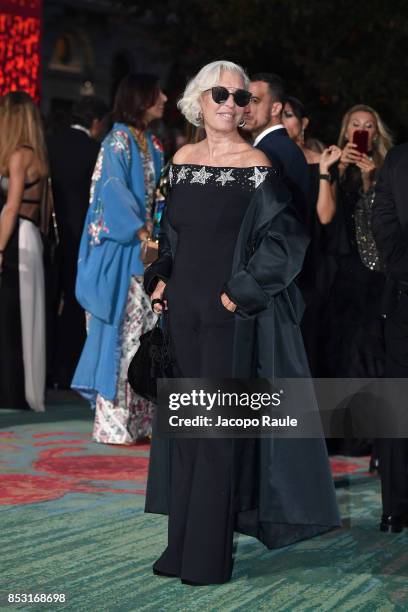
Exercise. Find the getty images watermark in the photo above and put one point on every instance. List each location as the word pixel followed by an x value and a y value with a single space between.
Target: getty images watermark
pixel 225 408
pixel 291 407
pixel 219 401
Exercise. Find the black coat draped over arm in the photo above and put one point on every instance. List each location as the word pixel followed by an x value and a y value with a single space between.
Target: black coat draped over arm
pixel 270 249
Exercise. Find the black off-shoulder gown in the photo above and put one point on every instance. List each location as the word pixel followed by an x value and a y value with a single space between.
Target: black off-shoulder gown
pixel 207 221
pixel 228 227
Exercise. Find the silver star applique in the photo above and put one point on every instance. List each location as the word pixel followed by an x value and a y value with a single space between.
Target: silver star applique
pixel 225 177
pixel 182 174
pixel 258 177
pixel 200 176
pixel 171 175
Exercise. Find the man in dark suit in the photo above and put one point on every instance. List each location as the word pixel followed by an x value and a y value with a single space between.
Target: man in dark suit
pixel 390 229
pixel 72 157
pixel 263 118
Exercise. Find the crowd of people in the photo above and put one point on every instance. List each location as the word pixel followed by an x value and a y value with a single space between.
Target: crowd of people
pixel 328 230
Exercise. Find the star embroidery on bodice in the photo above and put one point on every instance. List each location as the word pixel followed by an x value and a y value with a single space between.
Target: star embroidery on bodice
pixel 182 174
pixel 201 176
pixel 225 177
pixel 258 177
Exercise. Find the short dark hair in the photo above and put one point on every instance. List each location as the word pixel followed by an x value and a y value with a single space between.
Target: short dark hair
pixel 88 108
pixel 275 84
pixel 298 108
pixel 136 93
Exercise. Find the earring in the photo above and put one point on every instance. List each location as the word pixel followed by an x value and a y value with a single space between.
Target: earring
pixel 302 136
pixel 199 118
pixel 241 123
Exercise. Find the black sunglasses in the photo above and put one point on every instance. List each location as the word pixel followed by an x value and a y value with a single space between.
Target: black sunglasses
pixel 221 94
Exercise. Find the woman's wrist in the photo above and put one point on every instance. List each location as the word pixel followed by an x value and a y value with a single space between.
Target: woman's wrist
pixel 143 234
pixel 367 184
pixel 160 285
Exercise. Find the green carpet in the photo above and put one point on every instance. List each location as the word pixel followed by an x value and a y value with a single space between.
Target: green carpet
pixel 90 539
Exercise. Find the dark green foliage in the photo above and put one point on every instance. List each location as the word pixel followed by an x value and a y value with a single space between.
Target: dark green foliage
pixel 332 54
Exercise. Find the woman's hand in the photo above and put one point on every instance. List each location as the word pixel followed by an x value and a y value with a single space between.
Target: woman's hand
pixel 350 155
pixel 226 302
pixel 329 157
pixel 143 233
pixel 158 295
pixel 366 164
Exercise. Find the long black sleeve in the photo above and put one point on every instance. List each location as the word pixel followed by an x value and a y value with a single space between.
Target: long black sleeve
pixel 392 241
pixel 162 267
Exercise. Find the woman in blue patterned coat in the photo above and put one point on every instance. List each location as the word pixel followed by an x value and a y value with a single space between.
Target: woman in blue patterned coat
pixel 110 269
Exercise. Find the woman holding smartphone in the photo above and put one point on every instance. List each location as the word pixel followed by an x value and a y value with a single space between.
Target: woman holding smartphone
pixel 355 344
pixel 365 141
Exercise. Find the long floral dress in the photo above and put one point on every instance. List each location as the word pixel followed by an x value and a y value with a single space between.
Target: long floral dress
pixel 128 418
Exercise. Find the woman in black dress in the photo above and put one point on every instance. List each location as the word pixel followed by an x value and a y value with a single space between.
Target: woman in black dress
pixel 23 172
pixel 355 342
pixel 317 274
pixel 224 197
pixel 356 338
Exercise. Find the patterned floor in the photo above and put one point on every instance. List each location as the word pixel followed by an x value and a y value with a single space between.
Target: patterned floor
pixel 72 521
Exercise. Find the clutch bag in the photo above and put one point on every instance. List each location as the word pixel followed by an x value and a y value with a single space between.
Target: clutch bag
pixel 149 251
pixel 151 361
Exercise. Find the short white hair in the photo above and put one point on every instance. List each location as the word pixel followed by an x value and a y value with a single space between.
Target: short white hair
pixel 207 77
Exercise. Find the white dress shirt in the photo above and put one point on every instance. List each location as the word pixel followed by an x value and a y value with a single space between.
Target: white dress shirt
pixel 267 131
pixel 81 128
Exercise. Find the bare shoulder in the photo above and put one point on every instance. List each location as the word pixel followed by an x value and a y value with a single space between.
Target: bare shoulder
pixel 21 159
pixel 255 157
pixel 185 154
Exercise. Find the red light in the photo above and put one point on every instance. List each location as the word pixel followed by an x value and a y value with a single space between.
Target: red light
pixel 20 36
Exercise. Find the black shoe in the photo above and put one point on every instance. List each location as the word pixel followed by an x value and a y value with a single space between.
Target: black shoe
pixel 191 583
pixel 393 524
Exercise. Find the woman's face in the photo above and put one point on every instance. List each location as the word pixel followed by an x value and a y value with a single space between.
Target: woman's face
pixel 156 111
pixel 226 116
pixel 293 125
pixel 362 120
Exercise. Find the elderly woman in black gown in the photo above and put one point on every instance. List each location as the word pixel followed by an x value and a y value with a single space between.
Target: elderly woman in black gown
pixel 233 311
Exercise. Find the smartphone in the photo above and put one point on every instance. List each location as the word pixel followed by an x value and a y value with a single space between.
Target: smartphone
pixel 360 138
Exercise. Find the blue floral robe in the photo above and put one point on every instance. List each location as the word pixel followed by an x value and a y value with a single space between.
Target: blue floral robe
pixel 109 255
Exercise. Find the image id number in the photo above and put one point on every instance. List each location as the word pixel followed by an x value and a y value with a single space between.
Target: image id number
pixel 36 598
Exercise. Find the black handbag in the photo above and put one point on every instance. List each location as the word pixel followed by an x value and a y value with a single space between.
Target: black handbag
pixel 151 361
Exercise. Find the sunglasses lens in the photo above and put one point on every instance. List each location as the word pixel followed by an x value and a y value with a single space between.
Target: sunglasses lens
pixel 219 94
pixel 242 97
